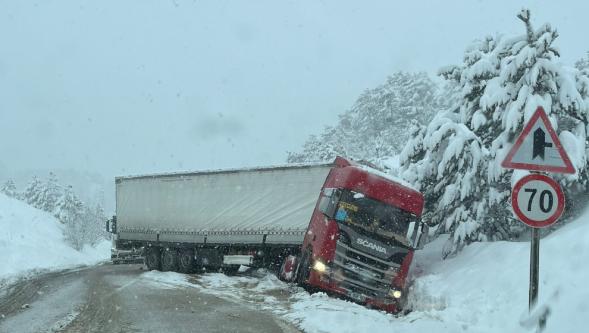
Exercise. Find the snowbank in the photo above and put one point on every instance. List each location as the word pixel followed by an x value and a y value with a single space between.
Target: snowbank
pixel 483 289
pixel 31 239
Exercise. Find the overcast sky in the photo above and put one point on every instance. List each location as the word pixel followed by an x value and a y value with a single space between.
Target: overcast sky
pixel 127 87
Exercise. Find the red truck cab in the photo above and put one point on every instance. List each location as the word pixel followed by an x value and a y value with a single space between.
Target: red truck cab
pixel 356 245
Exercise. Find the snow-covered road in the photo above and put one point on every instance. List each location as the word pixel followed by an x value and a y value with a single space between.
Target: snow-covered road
pixel 483 289
pixel 125 298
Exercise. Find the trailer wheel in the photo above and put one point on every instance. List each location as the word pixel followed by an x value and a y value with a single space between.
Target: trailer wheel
pixel 304 268
pixel 153 258
pixel 231 270
pixel 170 260
pixel 186 261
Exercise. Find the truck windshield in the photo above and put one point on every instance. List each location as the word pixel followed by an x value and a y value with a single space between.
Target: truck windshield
pixel 357 210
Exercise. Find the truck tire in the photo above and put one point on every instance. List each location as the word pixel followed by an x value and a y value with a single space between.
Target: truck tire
pixel 231 270
pixel 281 270
pixel 170 260
pixel 153 258
pixel 186 261
pixel 304 268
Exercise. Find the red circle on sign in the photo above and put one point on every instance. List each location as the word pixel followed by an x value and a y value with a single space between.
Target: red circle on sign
pixel 550 182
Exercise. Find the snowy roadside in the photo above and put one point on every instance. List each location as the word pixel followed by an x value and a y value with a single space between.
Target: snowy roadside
pixel 32 242
pixel 482 289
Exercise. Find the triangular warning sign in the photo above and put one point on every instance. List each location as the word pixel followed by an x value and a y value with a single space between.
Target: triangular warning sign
pixel 538 148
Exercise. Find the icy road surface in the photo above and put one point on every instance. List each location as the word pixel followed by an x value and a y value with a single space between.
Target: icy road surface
pixel 125 298
pixel 483 289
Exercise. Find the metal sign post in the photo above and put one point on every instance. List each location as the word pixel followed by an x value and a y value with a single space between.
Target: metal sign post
pixel 537 199
pixel 534 267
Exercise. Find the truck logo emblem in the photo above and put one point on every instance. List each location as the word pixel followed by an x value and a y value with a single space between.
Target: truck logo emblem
pixel 370 245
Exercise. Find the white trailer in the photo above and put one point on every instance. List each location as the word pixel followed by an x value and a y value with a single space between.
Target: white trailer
pixel 243 212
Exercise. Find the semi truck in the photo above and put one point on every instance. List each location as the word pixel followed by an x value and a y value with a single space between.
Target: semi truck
pixel 344 227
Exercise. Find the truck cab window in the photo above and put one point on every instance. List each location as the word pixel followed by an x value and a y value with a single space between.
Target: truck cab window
pixel 328 202
pixel 358 210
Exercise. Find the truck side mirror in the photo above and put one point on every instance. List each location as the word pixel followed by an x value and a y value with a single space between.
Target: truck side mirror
pixel 423 236
pixel 111 225
pixel 329 202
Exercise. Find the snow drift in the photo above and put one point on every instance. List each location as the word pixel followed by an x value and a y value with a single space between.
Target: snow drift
pixel 483 289
pixel 32 239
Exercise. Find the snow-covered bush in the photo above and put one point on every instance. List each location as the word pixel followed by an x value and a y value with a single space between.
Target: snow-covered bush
pixel 377 125
pixel 583 64
pixel 83 225
pixel 9 189
pixel 502 81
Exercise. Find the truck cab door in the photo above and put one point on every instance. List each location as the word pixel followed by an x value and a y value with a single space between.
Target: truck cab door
pixel 419 235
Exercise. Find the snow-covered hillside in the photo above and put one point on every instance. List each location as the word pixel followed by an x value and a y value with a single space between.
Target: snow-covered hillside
pixel 483 289
pixel 31 239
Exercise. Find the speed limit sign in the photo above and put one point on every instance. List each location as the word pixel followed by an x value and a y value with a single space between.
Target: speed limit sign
pixel 537 200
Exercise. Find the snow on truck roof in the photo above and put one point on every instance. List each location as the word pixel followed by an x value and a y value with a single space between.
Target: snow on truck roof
pixel 387 176
pixel 232 170
pixel 360 165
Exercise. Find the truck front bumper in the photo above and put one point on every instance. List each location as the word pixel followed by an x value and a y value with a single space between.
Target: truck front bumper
pixel 385 303
pixel 389 299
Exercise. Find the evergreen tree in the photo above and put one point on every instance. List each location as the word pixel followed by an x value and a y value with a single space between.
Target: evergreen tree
pixel 83 225
pixel 96 222
pixel 32 194
pixel 583 64
pixel 502 81
pixel 9 189
pixel 446 161
pixel 70 211
pixel 50 194
pixel 377 125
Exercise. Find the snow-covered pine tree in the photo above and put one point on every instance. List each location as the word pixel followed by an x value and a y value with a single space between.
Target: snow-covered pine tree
pixel 332 142
pixel 69 210
pixel 50 194
pixel 583 64
pixel 9 189
pixel 502 81
pixel 32 194
pixel 377 125
pixel 95 224
pixel 446 161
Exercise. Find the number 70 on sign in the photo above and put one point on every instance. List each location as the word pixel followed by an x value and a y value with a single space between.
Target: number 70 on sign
pixel 537 200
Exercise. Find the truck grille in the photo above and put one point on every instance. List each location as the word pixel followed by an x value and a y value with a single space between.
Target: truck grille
pixel 362 273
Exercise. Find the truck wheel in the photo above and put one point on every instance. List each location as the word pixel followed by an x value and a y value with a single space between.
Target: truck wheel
pixel 170 260
pixel 304 268
pixel 231 270
pixel 153 258
pixel 186 261
pixel 288 269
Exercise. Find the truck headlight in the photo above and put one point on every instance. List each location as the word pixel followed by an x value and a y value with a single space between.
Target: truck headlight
pixel 319 266
pixel 395 293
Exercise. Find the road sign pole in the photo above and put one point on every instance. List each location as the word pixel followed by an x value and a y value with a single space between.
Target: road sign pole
pixel 534 276
pixel 533 197
pixel 534 266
